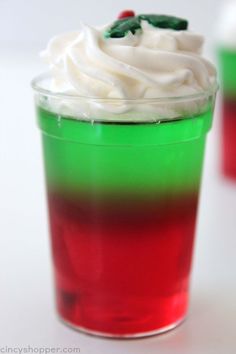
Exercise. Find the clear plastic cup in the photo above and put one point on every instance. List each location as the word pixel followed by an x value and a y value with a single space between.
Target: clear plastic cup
pixel 122 199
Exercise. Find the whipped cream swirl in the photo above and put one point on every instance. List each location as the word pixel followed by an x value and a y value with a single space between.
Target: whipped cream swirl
pixel 153 63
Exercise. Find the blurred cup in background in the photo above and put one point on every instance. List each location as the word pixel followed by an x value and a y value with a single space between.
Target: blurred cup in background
pixel 227 66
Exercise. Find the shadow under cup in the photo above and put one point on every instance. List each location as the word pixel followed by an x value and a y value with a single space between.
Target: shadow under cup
pixel 122 201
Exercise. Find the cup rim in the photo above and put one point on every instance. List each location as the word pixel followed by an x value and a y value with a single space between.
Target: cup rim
pixel 37 86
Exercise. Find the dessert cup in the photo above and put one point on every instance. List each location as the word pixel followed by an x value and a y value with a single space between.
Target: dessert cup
pixel 227 62
pixel 123 195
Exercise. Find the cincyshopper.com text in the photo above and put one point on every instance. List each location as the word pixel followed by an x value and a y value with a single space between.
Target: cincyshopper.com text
pixel 39 350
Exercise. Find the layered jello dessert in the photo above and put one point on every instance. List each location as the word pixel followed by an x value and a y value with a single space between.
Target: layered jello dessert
pixel 124 115
pixel 227 63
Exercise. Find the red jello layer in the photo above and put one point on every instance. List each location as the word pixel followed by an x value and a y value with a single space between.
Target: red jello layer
pixel 122 264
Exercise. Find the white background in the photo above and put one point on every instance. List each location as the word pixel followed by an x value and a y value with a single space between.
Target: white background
pixel 26 297
pixel 36 21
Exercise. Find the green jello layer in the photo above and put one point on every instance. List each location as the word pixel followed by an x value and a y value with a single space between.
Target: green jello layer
pixel 123 158
pixel 227 62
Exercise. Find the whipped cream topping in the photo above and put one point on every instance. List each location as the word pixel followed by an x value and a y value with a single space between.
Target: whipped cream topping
pixel 227 25
pixel 153 63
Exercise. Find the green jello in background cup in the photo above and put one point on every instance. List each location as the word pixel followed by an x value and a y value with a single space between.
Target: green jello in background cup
pixel 123 177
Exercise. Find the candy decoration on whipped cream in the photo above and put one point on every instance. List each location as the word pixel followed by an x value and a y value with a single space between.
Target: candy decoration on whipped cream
pixel 122 27
pixel 164 21
pixel 128 22
pixel 126 13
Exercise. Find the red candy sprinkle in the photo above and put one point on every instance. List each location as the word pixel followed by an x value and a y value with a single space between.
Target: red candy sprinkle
pixel 126 13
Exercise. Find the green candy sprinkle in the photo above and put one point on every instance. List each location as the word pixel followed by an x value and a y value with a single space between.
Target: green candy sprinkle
pixel 164 21
pixel 122 27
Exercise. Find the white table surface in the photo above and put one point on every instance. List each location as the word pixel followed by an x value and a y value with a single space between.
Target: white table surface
pixel 27 316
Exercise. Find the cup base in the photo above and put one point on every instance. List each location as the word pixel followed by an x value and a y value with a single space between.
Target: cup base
pixel 123 336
